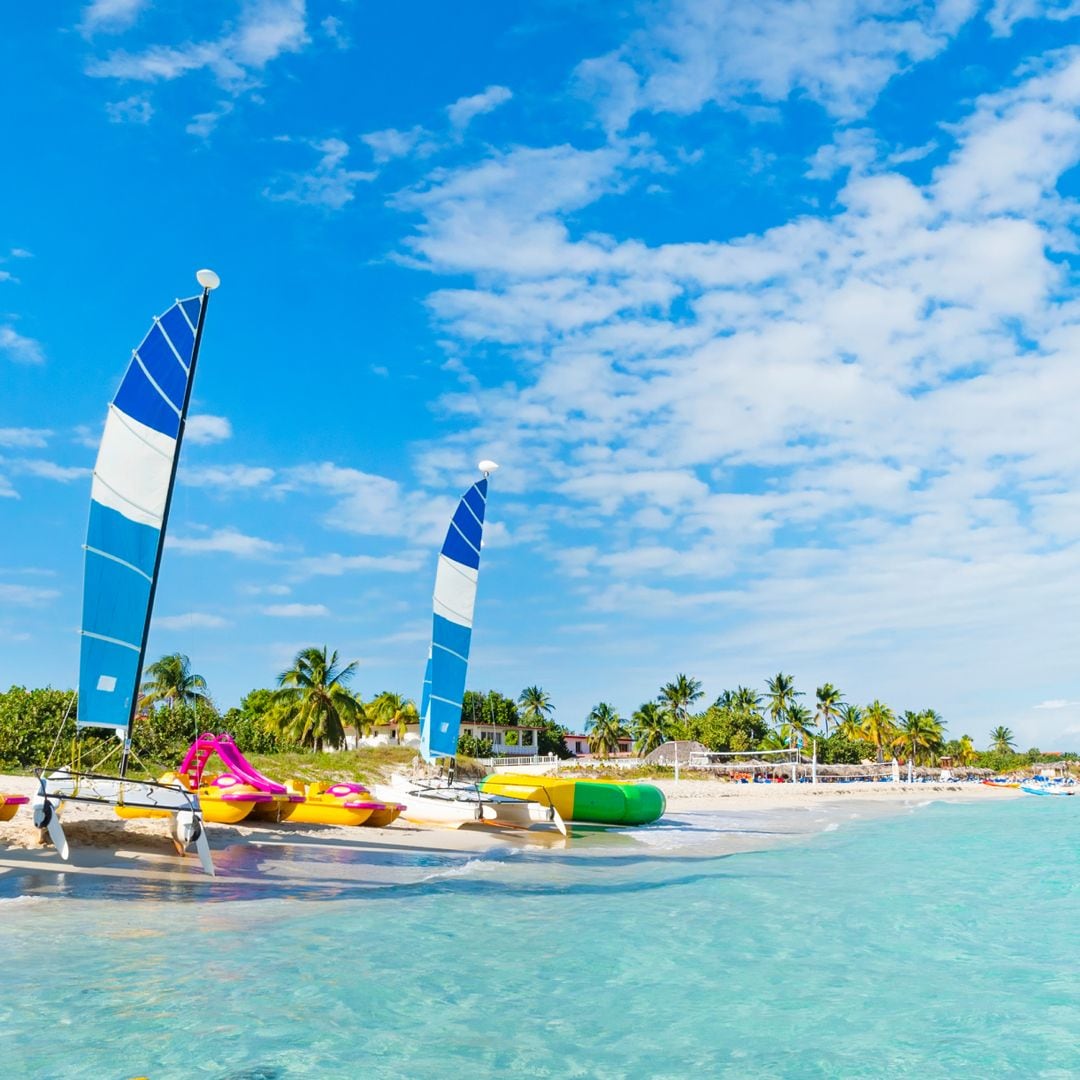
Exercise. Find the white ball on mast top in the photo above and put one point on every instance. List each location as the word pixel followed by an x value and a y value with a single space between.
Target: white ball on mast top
pixel 207 279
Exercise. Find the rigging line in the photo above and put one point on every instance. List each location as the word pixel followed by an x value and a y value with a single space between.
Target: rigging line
pixel 117 559
pixel 60 730
pixel 453 525
pixel 110 641
pixel 465 503
pixel 169 342
pixel 180 305
pixel 123 418
pixel 153 382
pixel 131 502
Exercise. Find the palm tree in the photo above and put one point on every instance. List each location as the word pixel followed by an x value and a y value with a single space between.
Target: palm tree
pixel 393 710
pixel 679 695
pixel 828 705
pixel 965 750
pixel 918 731
pixel 172 680
pixel 850 726
pixel 1001 740
pixel 878 726
pixel 605 730
pixel 650 728
pixel 781 693
pixel 536 707
pixel 316 703
pixel 799 723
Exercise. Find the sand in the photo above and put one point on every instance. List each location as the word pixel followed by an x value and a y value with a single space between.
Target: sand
pixel 259 857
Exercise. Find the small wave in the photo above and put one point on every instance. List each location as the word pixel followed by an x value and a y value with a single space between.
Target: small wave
pixel 23 899
pixel 832 826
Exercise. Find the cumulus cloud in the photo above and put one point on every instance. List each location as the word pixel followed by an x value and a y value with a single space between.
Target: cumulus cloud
pixel 204 430
pixel 692 52
pixel 19 348
pixel 192 620
pixel 296 611
pixel 26 595
pixel 227 478
pixel 226 541
pixel 111 16
pixel 391 143
pixel 466 109
pixel 25 438
pixel 136 109
pixel 329 185
pixel 864 414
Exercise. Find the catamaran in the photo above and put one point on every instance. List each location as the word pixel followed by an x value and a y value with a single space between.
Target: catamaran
pixel 447 801
pixel 130 499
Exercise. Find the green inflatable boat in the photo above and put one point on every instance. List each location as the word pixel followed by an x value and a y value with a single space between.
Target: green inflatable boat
pixel 595 802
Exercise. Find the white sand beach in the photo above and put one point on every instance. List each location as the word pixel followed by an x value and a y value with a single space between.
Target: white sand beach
pixel 327 856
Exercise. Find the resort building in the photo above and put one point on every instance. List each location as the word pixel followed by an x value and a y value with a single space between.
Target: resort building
pixel 578 745
pixel 507 740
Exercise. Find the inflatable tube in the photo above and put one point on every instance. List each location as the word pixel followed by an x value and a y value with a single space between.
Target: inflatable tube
pixel 595 802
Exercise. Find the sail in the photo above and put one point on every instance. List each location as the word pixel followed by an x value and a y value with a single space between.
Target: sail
pixel 451 632
pixel 129 503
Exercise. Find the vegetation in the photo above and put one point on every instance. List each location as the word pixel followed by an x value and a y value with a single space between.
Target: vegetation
pixel 173 682
pixel 316 705
pixel 307 715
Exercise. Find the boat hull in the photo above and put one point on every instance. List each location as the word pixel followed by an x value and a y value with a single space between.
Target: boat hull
pixel 594 802
pixel 458 805
pixel 9 805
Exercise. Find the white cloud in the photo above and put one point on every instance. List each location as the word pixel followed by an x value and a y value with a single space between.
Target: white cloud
pixel 226 541
pixel 1005 14
pixel 136 109
pixel 391 143
pixel 265 590
pixel 296 611
pixel 21 253
pixel 227 477
pixel 335 31
pixel 203 430
pixel 1056 703
pixel 26 595
pixel 896 377
pixel 18 347
pixel 237 58
pixel 25 438
pixel 329 184
pixel 111 16
pixel 466 109
pixel 332 565
pixel 203 125
pixel 193 620
pixel 49 470
pixel 691 52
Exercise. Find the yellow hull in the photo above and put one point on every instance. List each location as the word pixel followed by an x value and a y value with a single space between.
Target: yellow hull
pixel 8 810
pixel 381 818
pixel 322 810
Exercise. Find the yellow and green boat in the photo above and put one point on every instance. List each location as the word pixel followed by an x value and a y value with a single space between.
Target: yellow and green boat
pixel 593 802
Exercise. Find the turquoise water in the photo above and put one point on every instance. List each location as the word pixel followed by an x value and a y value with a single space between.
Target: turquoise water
pixel 940 943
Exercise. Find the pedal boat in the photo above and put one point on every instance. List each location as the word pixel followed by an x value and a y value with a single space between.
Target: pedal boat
pixel 223 804
pixel 9 805
pixel 321 804
pixel 388 813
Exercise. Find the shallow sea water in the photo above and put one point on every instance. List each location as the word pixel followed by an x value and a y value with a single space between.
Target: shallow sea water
pixel 939 943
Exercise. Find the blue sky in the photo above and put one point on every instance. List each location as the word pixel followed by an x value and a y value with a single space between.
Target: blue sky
pixel 769 312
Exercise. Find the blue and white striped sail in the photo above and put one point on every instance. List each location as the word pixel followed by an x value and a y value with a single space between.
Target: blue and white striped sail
pixel 451 632
pixel 128 506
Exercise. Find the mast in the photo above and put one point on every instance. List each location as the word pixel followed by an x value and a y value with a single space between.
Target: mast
pixel 209 281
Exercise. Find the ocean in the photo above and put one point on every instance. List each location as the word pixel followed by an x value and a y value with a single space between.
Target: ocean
pixel 940 942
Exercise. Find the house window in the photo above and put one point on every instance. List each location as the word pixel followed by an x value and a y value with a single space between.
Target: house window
pixel 526 738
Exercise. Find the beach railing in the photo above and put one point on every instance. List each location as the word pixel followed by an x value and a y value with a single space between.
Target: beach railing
pixel 528 759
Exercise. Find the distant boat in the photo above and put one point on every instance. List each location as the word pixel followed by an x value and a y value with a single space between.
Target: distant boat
pixel 130 498
pixel 454 602
pixel 1047 789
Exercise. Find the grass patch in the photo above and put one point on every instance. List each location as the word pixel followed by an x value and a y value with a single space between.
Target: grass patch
pixel 369 764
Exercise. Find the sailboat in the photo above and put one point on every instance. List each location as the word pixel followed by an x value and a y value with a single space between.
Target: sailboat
pixel 130 499
pixel 448 802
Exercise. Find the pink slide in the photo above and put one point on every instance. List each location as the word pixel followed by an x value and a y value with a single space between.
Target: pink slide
pixel 204 748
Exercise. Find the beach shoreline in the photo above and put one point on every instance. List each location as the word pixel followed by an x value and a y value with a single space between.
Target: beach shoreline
pixel 715 817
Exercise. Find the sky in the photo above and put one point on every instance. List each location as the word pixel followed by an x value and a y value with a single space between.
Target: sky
pixel 769 312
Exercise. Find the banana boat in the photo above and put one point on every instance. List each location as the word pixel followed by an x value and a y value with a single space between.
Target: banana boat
pixel 595 802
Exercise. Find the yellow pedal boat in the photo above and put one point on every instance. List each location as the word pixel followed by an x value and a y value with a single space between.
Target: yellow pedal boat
pixel 226 804
pixel 9 805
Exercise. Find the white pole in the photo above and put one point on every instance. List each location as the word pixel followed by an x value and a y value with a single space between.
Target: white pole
pixel 676 745
pixel 813 764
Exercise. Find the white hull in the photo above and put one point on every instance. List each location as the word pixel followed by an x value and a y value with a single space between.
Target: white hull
pixel 462 804
pixel 185 824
